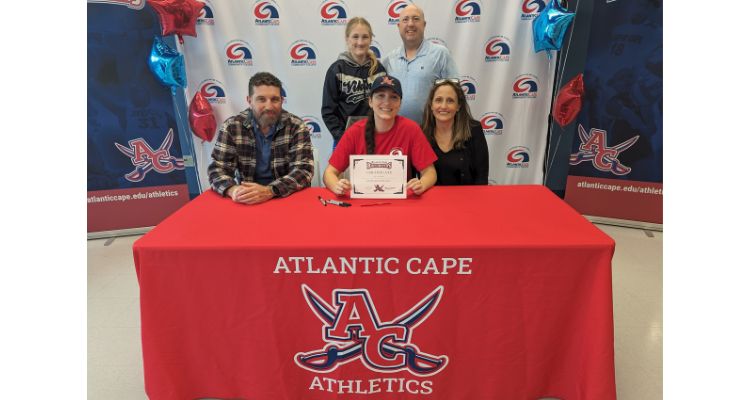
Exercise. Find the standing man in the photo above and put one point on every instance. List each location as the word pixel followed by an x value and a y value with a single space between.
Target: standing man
pixel 417 63
pixel 264 151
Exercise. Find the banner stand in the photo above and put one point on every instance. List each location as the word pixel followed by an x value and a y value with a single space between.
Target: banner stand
pixel 625 223
pixel 140 158
pixel 118 233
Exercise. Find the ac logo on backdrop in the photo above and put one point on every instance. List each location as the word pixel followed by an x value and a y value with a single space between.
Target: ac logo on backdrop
pixel 604 158
pixel 353 330
pixel 145 159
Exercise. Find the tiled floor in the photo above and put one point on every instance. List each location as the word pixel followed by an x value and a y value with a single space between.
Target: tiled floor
pixel 115 368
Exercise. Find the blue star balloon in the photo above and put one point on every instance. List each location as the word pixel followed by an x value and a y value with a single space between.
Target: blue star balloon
pixel 550 26
pixel 167 64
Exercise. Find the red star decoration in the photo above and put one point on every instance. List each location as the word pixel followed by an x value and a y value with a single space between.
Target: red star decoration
pixel 388 81
pixel 177 16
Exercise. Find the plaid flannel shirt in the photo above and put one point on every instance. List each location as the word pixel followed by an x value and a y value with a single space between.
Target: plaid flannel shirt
pixel 234 155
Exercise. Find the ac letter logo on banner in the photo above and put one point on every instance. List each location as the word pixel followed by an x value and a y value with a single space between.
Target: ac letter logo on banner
pixel 594 148
pixel 144 158
pixel 353 330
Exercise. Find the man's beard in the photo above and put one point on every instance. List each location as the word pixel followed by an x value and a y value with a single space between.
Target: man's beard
pixel 266 119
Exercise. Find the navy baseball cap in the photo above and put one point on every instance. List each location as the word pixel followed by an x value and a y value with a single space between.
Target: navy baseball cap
pixel 389 82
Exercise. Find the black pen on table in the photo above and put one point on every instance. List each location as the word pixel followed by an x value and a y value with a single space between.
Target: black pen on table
pixel 334 202
pixel 339 203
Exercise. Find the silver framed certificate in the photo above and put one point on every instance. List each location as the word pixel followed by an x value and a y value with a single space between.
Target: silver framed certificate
pixel 377 176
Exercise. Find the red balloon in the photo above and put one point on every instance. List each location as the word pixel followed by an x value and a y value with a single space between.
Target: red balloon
pixel 201 118
pixel 568 102
pixel 177 16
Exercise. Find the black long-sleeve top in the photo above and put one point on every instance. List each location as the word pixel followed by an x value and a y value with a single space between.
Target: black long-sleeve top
pixel 468 166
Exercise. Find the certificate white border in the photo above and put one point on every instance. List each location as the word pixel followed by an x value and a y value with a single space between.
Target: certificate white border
pixel 357 178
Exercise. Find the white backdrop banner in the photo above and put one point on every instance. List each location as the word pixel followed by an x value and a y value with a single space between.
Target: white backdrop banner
pixel 509 87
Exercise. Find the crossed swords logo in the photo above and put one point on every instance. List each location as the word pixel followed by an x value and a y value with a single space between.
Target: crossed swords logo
pixel 144 158
pixel 352 329
pixel 594 148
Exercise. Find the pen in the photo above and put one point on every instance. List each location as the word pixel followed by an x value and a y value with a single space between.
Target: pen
pixel 339 203
pixel 373 204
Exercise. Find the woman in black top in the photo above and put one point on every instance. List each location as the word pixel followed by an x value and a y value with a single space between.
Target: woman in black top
pixel 458 140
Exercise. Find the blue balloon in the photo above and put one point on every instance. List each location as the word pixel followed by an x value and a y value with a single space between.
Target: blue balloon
pixel 550 27
pixel 167 64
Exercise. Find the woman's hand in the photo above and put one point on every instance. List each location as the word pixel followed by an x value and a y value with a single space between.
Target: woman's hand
pixel 423 184
pixel 331 179
pixel 416 186
pixel 341 187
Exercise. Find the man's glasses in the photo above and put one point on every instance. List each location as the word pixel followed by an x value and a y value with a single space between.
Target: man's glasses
pixel 413 19
pixel 443 80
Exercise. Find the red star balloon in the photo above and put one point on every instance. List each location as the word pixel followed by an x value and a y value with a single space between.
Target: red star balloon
pixel 202 119
pixel 569 100
pixel 177 16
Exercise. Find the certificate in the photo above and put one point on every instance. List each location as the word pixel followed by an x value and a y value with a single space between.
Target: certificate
pixel 377 176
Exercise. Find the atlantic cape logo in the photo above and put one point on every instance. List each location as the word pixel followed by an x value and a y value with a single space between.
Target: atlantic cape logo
pixel 206 16
pixel 525 86
pixel 604 158
pixel 354 331
pixel 333 12
pixel 530 9
pixel 238 53
pixel 213 91
pixel 469 86
pixel 467 11
pixel 376 48
pixel 266 12
pixel 145 159
pixel 302 53
pixel 313 124
pixel 394 10
pixel 497 48
pixel 518 157
pixel 492 123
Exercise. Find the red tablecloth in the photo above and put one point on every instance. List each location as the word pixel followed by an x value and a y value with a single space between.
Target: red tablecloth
pixel 496 292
